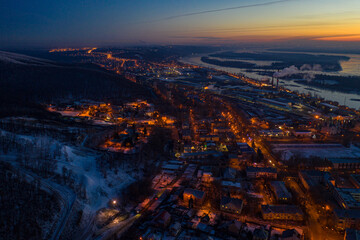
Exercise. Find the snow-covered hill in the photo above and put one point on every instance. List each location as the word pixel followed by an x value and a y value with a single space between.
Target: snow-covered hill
pixel 78 163
pixel 16 58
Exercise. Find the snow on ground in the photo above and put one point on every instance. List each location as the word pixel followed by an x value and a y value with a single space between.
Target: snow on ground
pixel 256 195
pixel 82 163
pixel 276 231
pixel 331 151
pixel 16 58
pixel 99 189
pixel 101 122
pixel 68 113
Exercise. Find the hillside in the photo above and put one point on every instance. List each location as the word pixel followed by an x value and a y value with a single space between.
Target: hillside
pixel 27 80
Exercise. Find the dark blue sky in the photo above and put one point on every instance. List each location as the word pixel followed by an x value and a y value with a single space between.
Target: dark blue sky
pixel 47 23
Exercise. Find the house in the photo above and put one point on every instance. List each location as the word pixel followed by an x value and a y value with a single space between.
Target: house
pixel 345 163
pixel 207 157
pixel 347 197
pixel 175 229
pixel 202 227
pixel 235 160
pixel 209 138
pixel 282 212
pixel 193 197
pixel 261 172
pixel 290 234
pixel 186 135
pixel 188 148
pixel 231 187
pixel 207 177
pixel 232 205
pixel 244 148
pixel 234 227
pixel 352 234
pixel 304 133
pixel 280 191
pixel 171 167
pixel 347 218
pixel 271 133
pixel 230 174
pixel 260 234
pixel 221 130
pixel 152 236
pixel 311 178
pixel 162 219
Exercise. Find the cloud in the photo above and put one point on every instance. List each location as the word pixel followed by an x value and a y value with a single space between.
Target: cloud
pixel 306 70
pixel 220 10
pixel 199 37
pixel 308 67
pixel 348 37
pixel 287 72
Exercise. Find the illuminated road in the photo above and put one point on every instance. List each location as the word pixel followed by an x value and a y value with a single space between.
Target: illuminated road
pixel 315 229
pixel 119 228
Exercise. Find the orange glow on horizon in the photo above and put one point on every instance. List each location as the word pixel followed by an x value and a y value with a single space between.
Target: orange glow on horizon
pixel 333 29
pixel 355 38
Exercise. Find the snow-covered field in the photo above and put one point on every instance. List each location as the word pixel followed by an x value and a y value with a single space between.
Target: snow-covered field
pixel 99 189
pixel 318 150
pixel 82 163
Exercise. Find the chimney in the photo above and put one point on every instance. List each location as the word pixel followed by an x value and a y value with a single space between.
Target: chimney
pixel 277 82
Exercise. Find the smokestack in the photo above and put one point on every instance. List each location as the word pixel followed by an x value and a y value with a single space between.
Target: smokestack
pixel 277 82
pixel 272 81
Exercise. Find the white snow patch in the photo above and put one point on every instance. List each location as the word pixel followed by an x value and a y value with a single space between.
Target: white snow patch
pixel 22 59
pixel 82 163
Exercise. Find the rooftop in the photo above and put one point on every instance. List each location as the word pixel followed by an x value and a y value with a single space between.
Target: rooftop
pixel 261 169
pixel 347 213
pixel 196 193
pixel 231 184
pixel 171 166
pixel 352 234
pixel 280 190
pixel 289 209
pixel 351 197
pixel 231 203
pixel 344 160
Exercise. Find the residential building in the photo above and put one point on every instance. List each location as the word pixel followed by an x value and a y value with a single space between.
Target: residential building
pixel 261 172
pixel 193 197
pixel 345 163
pixel 162 219
pixel 355 179
pixel 347 218
pixel 311 178
pixel 282 212
pixel 280 191
pixel 175 229
pixel 291 234
pixel 352 234
pixel 244 148
pixel 209 138
pixel 260 234
pixel 231 187
pixel 347 197
pixel 232 205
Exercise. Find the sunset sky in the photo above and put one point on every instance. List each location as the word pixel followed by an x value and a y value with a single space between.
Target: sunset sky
pixel 94 23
